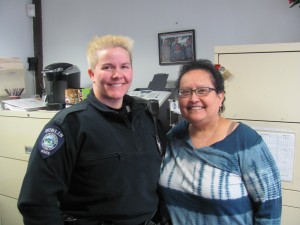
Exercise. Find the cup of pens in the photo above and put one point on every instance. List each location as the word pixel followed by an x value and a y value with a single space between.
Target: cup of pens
pixel 14 93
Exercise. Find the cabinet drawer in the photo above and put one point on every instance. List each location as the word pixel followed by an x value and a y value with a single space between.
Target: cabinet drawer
pixel 17 133
pixel 290 216
pixel 291 198
pixel 9 213
pixel 11 176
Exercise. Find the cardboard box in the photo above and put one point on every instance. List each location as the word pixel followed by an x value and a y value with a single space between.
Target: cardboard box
pixel 71 96
pixel 83 93
pixel 74 96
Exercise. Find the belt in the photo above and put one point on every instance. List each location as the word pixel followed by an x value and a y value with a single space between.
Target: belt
pixel 105 222
pixel 148 222
pixel 70 220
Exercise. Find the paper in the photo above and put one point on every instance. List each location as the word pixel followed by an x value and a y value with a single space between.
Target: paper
pixel 12 74
pixel 282 147
pixel 24 104
pixel 174 107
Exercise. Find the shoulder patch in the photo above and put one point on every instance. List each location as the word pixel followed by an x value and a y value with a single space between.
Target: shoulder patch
pixel 50 140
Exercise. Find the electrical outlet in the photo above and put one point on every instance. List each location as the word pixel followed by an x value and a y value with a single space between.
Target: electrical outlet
pixel 30 10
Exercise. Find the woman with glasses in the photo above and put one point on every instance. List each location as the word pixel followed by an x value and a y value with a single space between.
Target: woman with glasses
pixel 216 171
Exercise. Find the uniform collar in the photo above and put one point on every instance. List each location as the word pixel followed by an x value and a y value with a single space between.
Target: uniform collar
pixel 129 103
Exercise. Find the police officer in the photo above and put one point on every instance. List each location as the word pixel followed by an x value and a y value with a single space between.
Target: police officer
pixel 96 162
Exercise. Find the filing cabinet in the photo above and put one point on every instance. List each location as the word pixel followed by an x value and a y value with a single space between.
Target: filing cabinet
pixel 18 133
pixel 263 92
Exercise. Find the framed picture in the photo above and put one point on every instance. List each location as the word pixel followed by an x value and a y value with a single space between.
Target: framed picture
pixel 176 47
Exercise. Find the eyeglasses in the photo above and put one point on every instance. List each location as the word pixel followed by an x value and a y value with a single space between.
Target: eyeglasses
pixel 200 92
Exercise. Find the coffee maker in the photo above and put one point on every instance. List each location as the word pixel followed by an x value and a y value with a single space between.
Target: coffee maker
pixel 57 77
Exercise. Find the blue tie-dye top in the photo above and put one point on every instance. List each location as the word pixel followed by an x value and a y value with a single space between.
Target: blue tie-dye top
pixel 232 182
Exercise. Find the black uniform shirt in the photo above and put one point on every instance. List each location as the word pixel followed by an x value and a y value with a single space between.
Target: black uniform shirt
pixel 95 164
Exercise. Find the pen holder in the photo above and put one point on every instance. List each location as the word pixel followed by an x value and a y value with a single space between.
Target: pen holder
pixel 14 93
pixel 14 97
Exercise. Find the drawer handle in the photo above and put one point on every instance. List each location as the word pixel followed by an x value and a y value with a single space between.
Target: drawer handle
pixel 28 150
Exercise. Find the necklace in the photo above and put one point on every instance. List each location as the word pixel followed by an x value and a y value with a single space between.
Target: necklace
pixel 195 140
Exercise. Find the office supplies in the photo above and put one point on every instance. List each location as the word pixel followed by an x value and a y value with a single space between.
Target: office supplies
pixel 14 93
pixel 24 104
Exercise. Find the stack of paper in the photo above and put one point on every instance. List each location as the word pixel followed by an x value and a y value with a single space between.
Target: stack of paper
pixel 24 104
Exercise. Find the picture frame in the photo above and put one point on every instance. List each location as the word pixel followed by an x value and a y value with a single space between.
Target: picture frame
pixel 176 47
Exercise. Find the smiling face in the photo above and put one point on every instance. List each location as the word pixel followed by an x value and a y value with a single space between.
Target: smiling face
pixel 199 110
pixel 112 76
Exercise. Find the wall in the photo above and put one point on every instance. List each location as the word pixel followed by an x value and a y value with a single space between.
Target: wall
pixel 16 35
pixel 68 25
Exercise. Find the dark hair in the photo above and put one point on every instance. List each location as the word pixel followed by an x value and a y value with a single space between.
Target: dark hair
pixel 207 65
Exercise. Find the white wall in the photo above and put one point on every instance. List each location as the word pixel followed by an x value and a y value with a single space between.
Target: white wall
pixel 68 25
pixel 16 35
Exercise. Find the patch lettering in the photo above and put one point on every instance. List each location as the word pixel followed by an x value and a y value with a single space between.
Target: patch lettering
pixel 50 141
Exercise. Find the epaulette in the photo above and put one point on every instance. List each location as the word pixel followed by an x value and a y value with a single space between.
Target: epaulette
pixel 60 116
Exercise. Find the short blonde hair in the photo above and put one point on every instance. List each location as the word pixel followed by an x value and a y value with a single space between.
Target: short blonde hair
pixel 104 42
